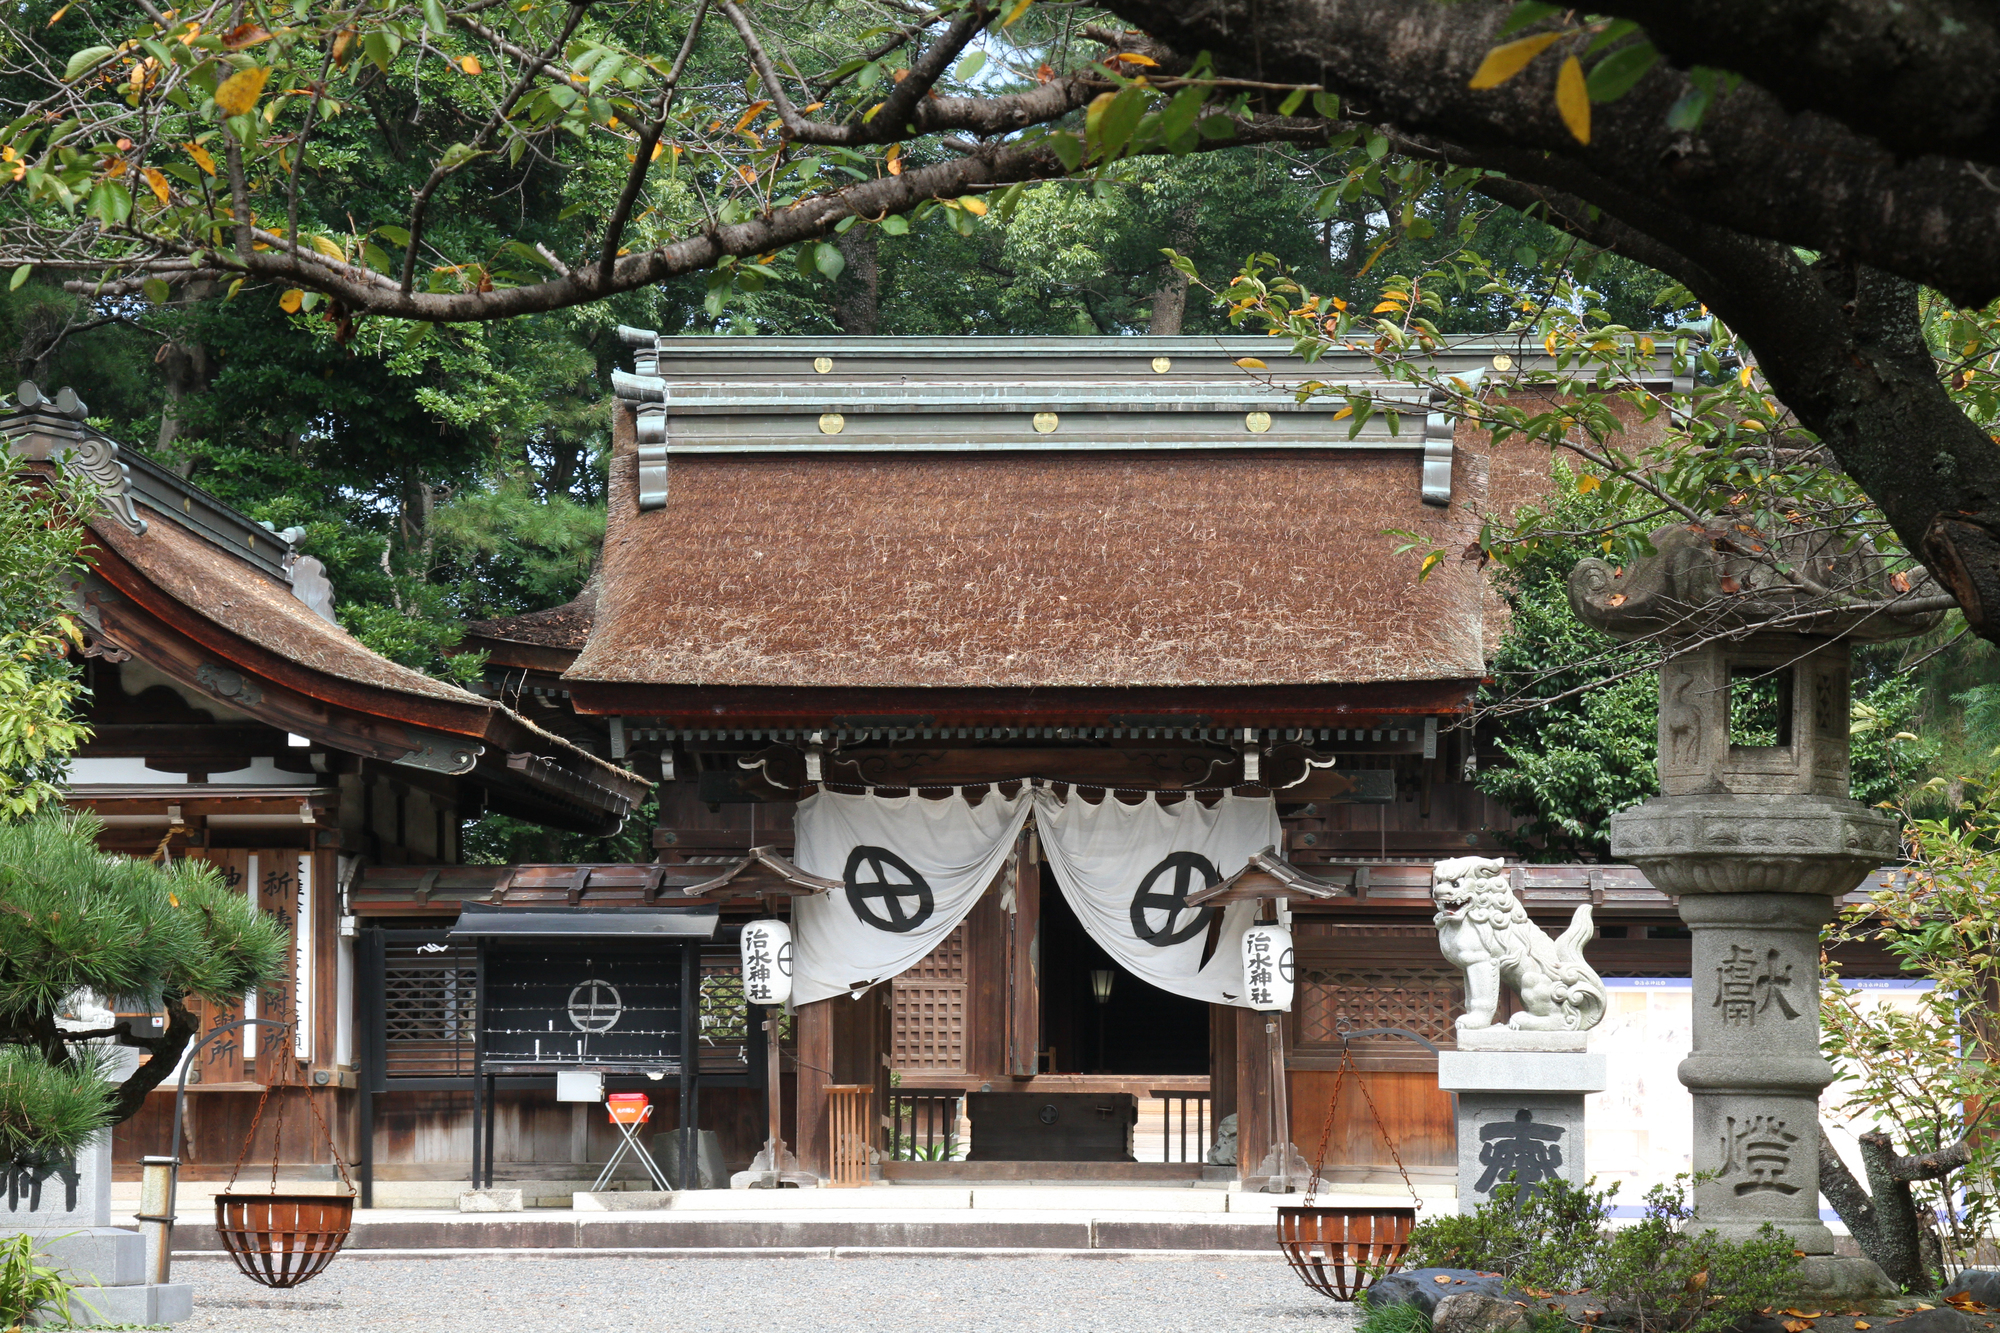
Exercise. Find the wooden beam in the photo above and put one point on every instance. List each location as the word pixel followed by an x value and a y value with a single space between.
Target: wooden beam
pixel 1024 979
pixel 811 708
pixel 175 740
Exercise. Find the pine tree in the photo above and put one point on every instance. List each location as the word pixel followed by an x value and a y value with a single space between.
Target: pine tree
pixel 74 918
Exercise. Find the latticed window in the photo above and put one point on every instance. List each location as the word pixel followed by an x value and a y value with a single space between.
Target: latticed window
pixel 429 997
pixel 1424 1000
pixel 929 1012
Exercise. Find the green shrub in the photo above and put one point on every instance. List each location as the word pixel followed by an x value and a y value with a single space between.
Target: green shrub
pixel 1548 1241
pixel 1656 1276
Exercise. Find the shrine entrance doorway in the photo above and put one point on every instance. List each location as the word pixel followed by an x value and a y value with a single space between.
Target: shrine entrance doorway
pixel 1099 1019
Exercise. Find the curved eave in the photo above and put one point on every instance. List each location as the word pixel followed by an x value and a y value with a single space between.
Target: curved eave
pixel 474 739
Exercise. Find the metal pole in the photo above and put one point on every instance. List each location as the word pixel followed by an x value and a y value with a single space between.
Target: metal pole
pixel 160 1220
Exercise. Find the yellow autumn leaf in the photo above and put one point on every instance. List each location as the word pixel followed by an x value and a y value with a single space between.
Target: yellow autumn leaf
pixel 1020 8
pixel 471 65
pixel 1249 363
pixel 756 110
pixel 1586 483
pixel 895 159
pixel 1347 411
pixel 328 248
pixel 56 17
pixel 174 900
pixel 1743 377
pixel 289 302
pixel 158 183
pixel 1431 562
pixel 1504 62
pixel 201 157
pixel 973 205
pixel 240 91
pixel 1573 98
pixel 1386 305
pixel 1134 58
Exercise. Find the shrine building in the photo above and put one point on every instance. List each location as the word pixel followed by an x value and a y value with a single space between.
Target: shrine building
pixel 1015 677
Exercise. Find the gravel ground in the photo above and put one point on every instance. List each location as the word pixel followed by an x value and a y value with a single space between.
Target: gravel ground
pixel 855 1295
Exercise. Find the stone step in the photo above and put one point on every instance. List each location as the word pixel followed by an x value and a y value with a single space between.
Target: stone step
pixel 1014 1229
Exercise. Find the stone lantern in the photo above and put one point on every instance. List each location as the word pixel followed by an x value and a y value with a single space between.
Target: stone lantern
pixel 1755 836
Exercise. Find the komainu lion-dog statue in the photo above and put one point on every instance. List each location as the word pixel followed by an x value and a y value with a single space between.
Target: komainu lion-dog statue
pixel 1484 931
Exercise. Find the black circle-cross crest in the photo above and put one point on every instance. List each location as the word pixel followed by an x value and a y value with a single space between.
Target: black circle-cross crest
pixel 785 959
pixel 886 891
pixel 1188 871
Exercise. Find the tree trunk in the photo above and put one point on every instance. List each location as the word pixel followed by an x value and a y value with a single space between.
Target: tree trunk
pixel 185 370
pixel 1169 305
pixel 1884 1218
pixel 1170 298
pixel 857 295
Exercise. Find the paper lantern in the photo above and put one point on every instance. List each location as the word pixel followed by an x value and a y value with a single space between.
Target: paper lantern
pixel 1268 967
pixel 767 962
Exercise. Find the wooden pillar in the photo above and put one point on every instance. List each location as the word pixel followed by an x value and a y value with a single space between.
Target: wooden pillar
pixel 1253 1091
pixel 1024 973
pixel 814 1024
pixel 1221 1064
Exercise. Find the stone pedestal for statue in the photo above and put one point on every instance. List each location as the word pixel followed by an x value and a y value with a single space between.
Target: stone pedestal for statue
pixel 67 1209
pixel 1755 836
pixel 1520 1117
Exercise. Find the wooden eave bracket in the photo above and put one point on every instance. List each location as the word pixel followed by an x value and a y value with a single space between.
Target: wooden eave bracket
pixel 1264 875
pixel 792 882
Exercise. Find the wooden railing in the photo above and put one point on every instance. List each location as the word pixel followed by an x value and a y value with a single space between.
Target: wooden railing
pixel 1175 1146
pixel 923 1124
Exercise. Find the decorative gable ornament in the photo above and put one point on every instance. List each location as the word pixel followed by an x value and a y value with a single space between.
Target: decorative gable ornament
pixel 767 963
pixel 1269 968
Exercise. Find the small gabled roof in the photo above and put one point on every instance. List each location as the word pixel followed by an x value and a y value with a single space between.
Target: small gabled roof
pixel 228 609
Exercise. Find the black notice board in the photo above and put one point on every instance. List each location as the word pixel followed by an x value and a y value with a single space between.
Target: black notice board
pixel 563 1004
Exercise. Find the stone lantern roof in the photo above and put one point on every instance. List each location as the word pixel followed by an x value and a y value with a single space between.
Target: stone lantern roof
pixel 1722 576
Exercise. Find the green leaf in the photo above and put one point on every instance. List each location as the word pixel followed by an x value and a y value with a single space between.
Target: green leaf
pixel 1067 147
pixel 393 235
pixel 1378 147
pixel 434 18
pixel 1178 119
pixel 895 225
pixel 20 276
pixel 970 66
pixel 87 59
pixel 1292 101
pixel 1327 105
pixel 1614 75
pixel 157 291
pixel 1686 113
pixel 1526 13
pixel 828 259
pixel 1216 127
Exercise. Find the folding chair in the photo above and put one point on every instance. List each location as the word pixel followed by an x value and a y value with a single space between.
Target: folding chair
pixel 630 1111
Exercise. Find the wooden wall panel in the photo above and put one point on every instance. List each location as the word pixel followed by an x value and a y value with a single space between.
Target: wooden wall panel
pixel 1411 1106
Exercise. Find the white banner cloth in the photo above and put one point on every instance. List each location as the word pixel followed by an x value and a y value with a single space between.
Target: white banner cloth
pixel 912 869
pixel 1127 871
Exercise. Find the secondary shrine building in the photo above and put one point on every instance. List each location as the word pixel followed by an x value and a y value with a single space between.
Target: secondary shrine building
pixel 1016 676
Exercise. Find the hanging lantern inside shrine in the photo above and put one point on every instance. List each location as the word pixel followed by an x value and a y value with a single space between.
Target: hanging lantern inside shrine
pixel 767 962
pixel 1268 967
